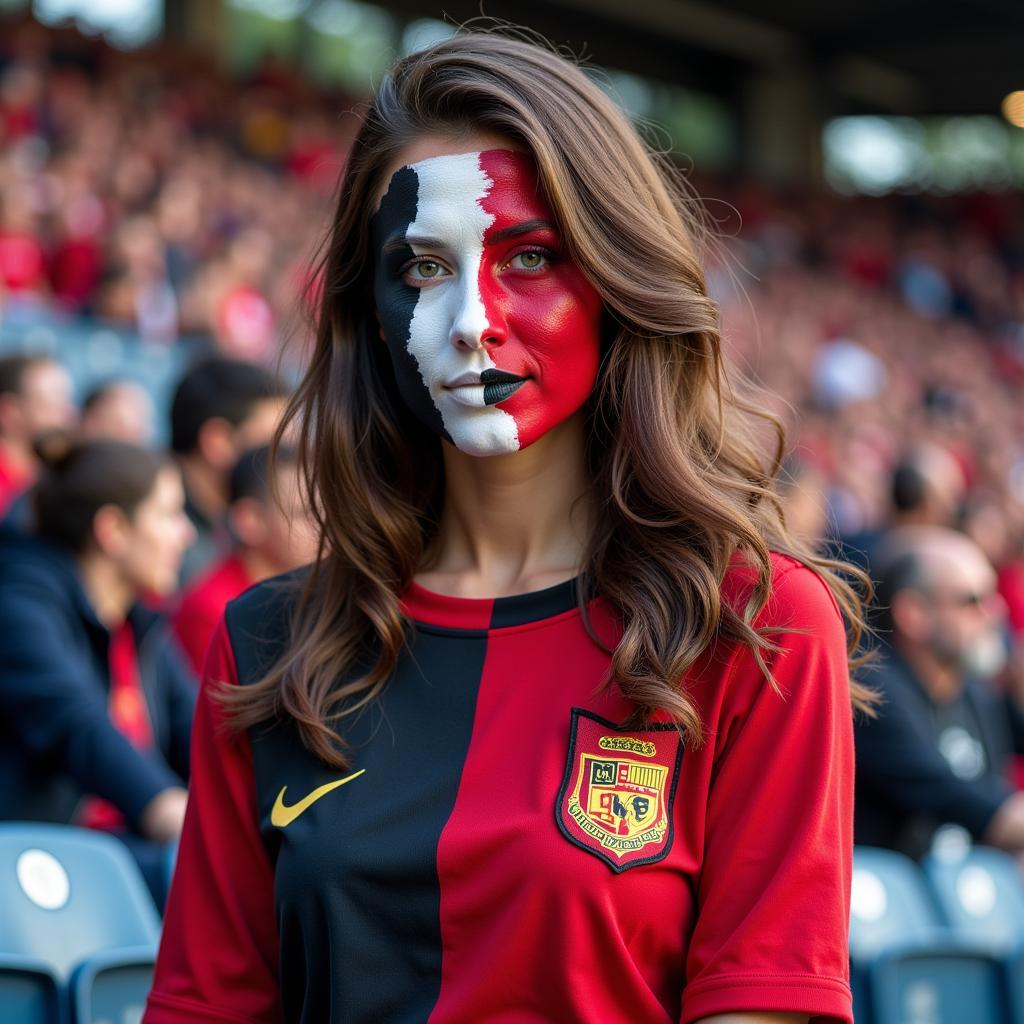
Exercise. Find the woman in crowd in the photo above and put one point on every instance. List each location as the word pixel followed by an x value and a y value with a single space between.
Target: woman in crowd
pixel 96 702
pixel 558 727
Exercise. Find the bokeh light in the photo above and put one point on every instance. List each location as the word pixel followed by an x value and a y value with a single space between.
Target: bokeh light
pixel 1013 108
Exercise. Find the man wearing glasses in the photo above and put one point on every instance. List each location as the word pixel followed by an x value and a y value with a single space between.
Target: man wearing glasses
pixel 939 750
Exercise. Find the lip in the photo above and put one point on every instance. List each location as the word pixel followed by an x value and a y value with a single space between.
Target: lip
pixel 490 376
pixel 488 387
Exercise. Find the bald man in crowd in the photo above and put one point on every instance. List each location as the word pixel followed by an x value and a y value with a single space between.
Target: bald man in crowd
pixel 939 751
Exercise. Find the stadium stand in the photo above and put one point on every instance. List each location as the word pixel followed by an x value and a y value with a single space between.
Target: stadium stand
pixel 887 325
pixel 79 931
pixel 981 897
pixel 908 965
pixel 980 894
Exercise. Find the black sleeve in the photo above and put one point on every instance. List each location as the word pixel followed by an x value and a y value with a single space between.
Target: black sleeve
pixel 898 759
pixel 1015 716
pixel 56 707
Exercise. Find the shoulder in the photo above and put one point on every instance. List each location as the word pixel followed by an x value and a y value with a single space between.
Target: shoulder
pixel 31 562
pixel 259 622
pixel 808 659
pixel 39 581
pixel 799 599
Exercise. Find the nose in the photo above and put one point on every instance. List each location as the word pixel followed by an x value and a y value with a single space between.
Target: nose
pixel 477 324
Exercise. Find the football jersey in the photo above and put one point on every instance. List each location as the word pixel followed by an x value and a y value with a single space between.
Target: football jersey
pixel 502 848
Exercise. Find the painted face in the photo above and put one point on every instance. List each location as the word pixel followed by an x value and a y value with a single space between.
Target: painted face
pixel 493 332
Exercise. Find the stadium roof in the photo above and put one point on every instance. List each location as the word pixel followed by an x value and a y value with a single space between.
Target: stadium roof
pixel 884 56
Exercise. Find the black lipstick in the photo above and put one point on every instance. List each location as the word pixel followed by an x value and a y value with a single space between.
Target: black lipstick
pixel 499 385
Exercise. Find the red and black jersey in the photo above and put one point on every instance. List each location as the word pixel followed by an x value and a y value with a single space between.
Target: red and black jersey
pixel 501 849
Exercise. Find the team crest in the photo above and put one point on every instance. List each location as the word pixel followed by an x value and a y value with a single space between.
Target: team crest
pixel 616 799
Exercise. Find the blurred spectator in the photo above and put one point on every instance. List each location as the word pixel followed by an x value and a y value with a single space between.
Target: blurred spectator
pixel 23 283
pixel 273 534
pixel 118 410
pixel 35 398
pixel 846 373
pixel 939 751
pixel 221 408
pixel 927 488
pixel 95 699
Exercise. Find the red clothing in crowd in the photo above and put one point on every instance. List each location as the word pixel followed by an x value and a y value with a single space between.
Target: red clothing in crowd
pixel 203 605
pixel 128 712
pixel 14 479
pixel 1011 589
pixel 22 262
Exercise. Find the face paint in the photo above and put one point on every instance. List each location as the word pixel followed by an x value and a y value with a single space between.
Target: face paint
pixel 494 333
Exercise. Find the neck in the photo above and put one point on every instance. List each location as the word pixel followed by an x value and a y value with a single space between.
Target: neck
pixel 205 487
pixel 513 523
pixel 109 593
pixel 257 565
pixel 940 681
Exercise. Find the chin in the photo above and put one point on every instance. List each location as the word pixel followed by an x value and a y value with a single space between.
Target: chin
pixel 162 587
pixel 488 435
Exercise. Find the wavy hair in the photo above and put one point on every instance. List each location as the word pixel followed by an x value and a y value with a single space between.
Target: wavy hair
pixel 675 454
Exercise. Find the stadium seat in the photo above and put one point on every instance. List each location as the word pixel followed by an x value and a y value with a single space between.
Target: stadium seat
pixel 981 897
pixel 111 986
pixel 29 992
pixel 75 905
pixel 906 966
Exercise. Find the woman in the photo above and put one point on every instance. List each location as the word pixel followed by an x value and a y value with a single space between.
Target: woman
pixel 554 730
pixel 96 703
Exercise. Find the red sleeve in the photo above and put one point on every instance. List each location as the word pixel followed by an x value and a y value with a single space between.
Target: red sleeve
pixel 773 897
pixel 219 951
pixel 195 624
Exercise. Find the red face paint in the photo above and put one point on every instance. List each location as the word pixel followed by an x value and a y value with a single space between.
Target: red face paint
pixel 543 316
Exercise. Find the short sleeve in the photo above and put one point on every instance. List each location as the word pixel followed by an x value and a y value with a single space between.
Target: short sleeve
pixel 772 924
pixel 219 951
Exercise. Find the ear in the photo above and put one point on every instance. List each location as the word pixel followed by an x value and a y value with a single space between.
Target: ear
pixel 111 530
pixel 217 443
pixel 248 522
pixel 909 611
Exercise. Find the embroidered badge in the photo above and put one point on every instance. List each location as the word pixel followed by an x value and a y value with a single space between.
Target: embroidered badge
pixel 619 787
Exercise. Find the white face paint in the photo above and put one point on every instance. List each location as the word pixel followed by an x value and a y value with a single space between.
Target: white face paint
pixel 451 189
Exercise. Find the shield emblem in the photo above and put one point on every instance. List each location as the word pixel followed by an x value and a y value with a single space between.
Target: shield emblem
pixel 619 786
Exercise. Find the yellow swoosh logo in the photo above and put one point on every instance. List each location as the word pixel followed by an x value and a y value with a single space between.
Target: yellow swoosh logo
pixel 282 816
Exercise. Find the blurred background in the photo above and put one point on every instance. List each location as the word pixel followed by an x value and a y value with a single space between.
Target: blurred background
pixel 166 171
pixel 166 174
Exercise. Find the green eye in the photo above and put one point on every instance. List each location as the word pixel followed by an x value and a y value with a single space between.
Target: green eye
pixel 531 260
pixel 429 269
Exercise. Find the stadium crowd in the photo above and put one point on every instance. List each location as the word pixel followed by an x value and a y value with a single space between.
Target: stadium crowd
pixel 150 191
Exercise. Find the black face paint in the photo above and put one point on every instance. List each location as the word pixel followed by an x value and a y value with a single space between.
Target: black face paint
pixel 396 300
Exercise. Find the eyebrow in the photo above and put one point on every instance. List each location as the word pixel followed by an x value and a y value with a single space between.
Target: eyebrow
pixel 401 240
pixel 525 228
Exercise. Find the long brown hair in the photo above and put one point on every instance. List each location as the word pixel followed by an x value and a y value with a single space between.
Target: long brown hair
pixel 673 451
